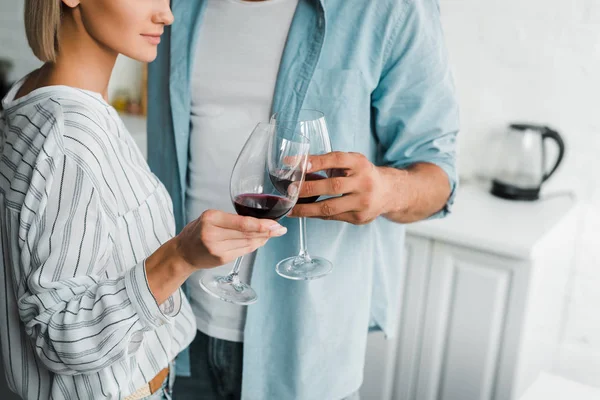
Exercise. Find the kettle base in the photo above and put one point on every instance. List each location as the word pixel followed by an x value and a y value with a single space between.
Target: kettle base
pixel 511 192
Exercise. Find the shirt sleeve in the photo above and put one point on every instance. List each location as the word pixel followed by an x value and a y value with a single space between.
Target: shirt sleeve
pixel 79 320
pixel 414 105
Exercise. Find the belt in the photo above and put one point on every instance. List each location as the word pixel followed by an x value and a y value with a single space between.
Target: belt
pixel 151 387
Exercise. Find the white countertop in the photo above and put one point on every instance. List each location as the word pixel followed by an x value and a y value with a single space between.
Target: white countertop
pixel 506 227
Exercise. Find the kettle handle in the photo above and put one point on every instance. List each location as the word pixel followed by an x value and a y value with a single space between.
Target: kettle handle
pixel 552 134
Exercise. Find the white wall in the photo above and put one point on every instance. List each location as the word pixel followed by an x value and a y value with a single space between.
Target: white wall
pixel 539 61
pixel 13 45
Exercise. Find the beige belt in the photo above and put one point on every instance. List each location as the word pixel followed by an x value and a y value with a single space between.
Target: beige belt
pixel 150 388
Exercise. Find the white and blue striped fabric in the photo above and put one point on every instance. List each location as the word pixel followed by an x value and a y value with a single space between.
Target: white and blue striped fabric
pixel 81 211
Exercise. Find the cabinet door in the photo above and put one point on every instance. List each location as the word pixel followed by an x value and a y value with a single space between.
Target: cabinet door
pixel 472 322
pixel 412 318
pixel 382 362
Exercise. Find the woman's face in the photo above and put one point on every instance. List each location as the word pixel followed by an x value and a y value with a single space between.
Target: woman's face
pixel 129 27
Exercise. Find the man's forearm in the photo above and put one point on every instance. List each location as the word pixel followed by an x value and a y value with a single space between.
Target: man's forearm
pixel 415 193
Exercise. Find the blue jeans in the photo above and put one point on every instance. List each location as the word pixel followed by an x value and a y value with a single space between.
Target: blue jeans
pixel 216 367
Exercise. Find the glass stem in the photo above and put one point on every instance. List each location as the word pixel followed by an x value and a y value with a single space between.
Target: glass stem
pixel 233 275
pixel 303 246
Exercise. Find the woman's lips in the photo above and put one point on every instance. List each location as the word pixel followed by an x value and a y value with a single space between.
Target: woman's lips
pixel 153 39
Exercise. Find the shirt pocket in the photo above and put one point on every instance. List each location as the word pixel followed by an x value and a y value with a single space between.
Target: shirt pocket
pixel 341 95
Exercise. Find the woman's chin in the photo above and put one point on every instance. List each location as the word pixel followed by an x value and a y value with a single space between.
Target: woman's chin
pixel 143 55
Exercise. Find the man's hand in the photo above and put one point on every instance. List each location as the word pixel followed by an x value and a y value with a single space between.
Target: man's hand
pixel 364 188
pixel 368 191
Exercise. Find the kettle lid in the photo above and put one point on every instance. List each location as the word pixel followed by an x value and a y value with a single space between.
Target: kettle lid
pixel 528 127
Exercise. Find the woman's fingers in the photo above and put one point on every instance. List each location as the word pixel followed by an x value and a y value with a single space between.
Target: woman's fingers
pixel 215 234
pixel 239 223
pixel 217 238
pixel 241 247
pixel 230 234
pixel 235 244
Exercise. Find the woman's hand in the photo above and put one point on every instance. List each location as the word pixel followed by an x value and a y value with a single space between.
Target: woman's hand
pixel 217 238
pixel 214 239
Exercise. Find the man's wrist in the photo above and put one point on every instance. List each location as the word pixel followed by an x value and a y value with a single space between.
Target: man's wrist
pixel 419 191
pixel 397 195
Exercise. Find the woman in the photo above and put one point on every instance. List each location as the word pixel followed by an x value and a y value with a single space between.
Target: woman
pixel 92 306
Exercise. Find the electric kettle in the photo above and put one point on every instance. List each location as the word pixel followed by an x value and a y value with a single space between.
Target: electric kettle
pixel 521 170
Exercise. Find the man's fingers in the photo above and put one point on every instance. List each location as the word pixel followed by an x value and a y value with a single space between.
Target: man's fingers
pixel 336 160
pixel 328 187
pixel 326 208
pixel 352 217
pixel 295 163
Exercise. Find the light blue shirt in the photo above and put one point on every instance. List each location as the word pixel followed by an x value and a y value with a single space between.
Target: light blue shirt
pixel 379 71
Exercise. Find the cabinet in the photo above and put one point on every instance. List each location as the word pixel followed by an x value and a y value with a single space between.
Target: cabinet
pixel 482 305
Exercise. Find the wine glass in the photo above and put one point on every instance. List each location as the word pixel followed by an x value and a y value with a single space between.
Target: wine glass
pixel 269 150
pixel 311 124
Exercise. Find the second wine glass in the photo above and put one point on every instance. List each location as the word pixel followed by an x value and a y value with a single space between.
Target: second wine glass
pixel 269 150
pixel 311 124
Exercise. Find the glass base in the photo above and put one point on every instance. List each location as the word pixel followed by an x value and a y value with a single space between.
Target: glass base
pixel 300 268
pixel 229 289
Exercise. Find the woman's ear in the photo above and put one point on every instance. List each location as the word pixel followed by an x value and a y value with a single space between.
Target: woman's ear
pixel 71 3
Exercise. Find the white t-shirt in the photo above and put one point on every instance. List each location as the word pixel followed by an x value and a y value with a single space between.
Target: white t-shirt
pixel 233 82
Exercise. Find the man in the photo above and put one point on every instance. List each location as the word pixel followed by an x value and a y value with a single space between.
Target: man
pixel 379 72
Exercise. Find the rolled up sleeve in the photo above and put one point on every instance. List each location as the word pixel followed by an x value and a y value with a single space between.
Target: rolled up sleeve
pixel 414 105
pixel 150 312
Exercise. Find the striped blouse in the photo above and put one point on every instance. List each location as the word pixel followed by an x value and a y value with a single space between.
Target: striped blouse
pixel 81 211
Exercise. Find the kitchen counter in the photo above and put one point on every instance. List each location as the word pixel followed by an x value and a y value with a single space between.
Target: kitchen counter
pixel 518 227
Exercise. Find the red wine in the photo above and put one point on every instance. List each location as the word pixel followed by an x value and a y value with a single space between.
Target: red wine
pixel 263 206
pixel 282 184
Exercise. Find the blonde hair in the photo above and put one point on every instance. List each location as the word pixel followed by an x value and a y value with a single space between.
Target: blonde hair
pixel 42 21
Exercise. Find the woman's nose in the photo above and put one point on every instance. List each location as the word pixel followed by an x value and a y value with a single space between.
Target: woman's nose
pixel 164 15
